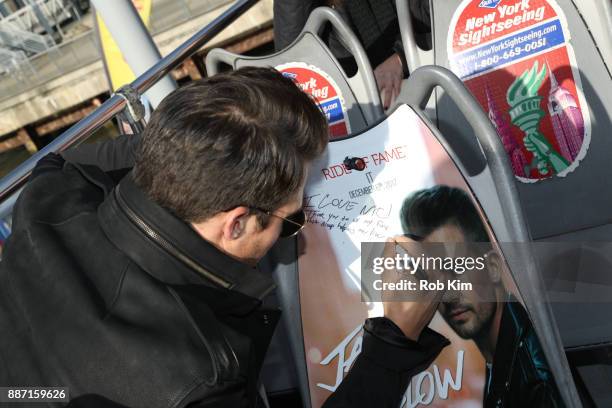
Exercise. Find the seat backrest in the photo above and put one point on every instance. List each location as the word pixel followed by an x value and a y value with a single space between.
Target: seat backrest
pixel 351 104
pixel 541 69
pixel 415 55
pixel 571 103
pixel 347 207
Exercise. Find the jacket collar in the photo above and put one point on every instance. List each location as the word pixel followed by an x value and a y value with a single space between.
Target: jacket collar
pixel 170 249
pixel 512 329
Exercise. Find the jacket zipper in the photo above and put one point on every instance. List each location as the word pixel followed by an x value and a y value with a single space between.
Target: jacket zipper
pixel 167 245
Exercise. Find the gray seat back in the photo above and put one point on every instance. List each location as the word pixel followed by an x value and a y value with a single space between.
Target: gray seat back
pixel 570 200
pixel 351 104
pixel 332 251
pixel 415 56
pixel 481 158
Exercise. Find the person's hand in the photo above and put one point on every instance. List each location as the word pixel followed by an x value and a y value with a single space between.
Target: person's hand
pixel 389 79
pixel 414 315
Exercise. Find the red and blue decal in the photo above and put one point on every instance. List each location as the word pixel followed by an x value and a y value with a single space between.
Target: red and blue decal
pixel 322 87
pixel 516 58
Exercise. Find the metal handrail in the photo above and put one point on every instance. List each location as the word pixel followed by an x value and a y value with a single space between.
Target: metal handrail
pixel 115 104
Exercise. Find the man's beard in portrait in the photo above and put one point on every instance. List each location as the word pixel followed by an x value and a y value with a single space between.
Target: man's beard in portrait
pixel 467 320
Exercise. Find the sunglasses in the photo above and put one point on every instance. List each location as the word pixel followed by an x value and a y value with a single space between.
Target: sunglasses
pixel 292 224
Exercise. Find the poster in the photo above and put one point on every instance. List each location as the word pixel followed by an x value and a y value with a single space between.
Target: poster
pixel 346 205
pixel 315 82
pixel 516 58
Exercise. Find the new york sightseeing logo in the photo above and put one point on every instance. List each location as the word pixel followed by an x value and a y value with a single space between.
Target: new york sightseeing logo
pixel 517 60
pixel 325 91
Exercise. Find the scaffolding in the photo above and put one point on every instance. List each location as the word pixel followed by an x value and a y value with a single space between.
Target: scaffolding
pixel 30 35
pixel 41 16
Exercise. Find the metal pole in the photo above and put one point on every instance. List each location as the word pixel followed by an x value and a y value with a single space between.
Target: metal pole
pixel 133 38
pixel 185 50
pixel 86 126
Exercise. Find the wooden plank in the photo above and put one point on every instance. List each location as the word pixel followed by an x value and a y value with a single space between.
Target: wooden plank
pixel 67 119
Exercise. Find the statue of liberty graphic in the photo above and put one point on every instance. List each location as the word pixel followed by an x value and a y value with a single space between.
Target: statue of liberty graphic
pixel 525 112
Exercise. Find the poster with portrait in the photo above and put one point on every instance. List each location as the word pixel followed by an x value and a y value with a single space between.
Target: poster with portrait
pixel 368 188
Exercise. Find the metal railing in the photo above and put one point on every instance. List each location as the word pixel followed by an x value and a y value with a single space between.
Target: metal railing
pixel 115 104
pixel 78 51
pixel 57 61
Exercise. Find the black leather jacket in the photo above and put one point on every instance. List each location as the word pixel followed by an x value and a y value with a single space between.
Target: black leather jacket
pixel 107 293
pixel 519 376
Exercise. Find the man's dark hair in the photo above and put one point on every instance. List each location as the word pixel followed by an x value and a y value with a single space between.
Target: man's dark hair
pixel 425 210
pixel 237 138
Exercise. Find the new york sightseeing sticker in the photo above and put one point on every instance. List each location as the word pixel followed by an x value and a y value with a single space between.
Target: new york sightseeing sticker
pixel 517 60
pixel 317 83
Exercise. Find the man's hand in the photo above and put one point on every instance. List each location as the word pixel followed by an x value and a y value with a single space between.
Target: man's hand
pixel 410 316
pixel 389 79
